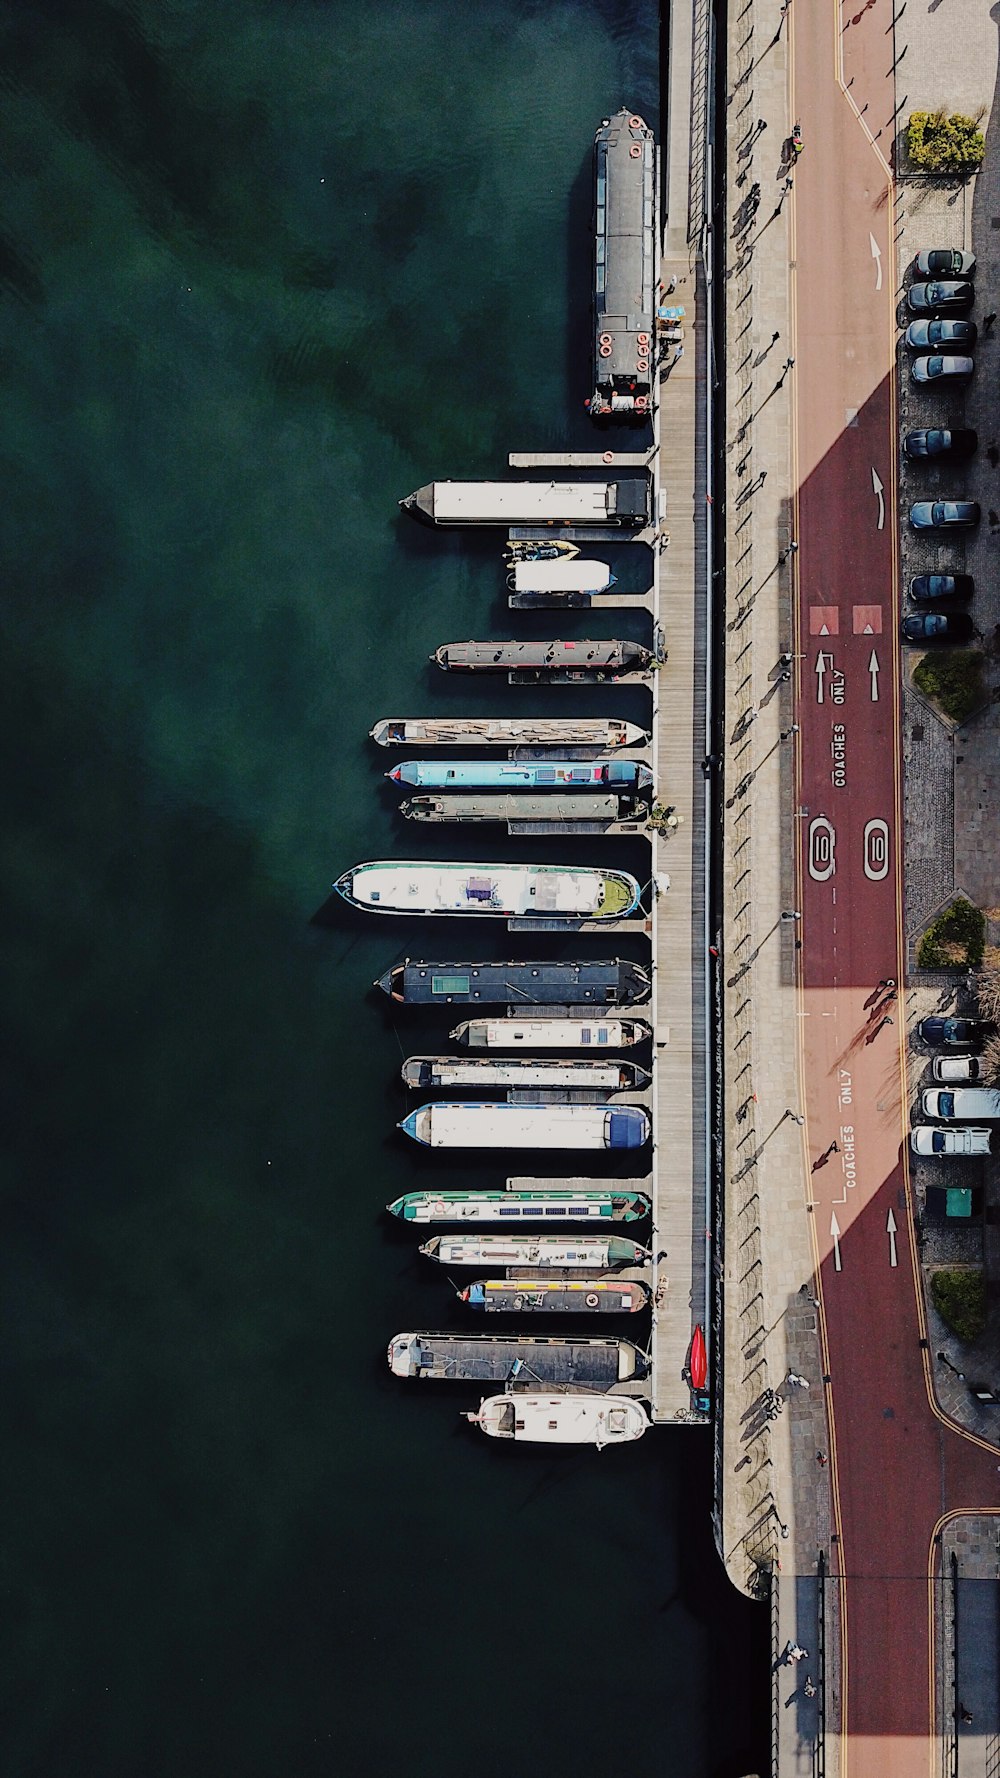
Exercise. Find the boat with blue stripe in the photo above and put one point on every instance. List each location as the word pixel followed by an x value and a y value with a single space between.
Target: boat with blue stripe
pixel 528 774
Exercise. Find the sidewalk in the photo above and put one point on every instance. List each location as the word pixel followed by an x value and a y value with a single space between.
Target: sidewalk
pixel 775 1498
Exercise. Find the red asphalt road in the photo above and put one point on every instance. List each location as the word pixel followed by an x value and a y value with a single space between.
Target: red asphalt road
pixel 897 1467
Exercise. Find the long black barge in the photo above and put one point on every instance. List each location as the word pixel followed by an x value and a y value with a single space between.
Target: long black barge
pixel 520 1360
pixel 624 362
pixel 612 982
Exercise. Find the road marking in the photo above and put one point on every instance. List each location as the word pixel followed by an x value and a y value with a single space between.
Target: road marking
pixel 878 489
pixel 822 841
pixel 835 1232
pixel 867 620
pixel 877 257
pixel 824 620
pixel 873 669
pixel 890 1223
pixel 877 851
pixel 823 661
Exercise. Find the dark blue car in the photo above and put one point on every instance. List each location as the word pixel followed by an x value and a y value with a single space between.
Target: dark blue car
pixel 940 1033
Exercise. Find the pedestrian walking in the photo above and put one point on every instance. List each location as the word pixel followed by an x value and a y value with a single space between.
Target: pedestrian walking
pixel 821 1459
pixel 888 981
pixel 796 1382
pixel 989 321
pixel 965 1714
pixel 834 1148
pixel 678 355
pixel 809 1688
pixel 775 337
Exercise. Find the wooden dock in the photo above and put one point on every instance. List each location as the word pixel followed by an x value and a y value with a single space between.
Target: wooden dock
pixel 581 601
pixel 608 460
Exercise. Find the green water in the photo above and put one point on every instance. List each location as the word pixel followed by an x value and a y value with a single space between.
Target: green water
pixel 264 269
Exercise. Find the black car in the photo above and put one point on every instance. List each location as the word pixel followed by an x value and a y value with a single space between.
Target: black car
pixel 940 442
pixel 929 589
pixel 936 626
pixel 951 1033
pixel 945 262
pixel 940 296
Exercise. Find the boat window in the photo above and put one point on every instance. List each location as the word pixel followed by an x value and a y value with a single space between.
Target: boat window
pixel 510 1210
pixel 585 1035
pixel 450 984
pixel 602 1037
pixel 579 1210
pixel 557 1210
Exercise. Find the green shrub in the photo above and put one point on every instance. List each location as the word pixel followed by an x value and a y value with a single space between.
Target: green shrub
pixel 954 679
pixel 942 144
pixel 960 1300
pixel 955 940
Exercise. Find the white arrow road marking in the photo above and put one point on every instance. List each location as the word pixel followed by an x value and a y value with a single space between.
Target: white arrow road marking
pixel 822 661
pixel 877 257
pixel 835 1232
pixel 877 487
pixel 874 670
pixel 890 1223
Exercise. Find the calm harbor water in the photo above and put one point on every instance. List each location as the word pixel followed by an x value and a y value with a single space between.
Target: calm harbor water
pixel 265 268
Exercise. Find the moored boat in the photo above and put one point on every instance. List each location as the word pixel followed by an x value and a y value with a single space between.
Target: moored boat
pixel 592 812
pixel 556 1296
pixel 463 1124
pixel 557 1034
pixel 609 657
pixel 595 1253
pixel 551 891
pixel 528 1205
pixel 455 1072
pixel 625 262
pixel 516 1359
pixel 537 551
pixel 606 982
pixel 569 1419
pixel 527 774
pixel 581 576
pixel 608 504
pixel 490 731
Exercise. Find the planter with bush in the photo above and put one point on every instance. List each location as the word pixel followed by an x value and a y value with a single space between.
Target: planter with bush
pixel 953 680
pixel 937 143
pixel 959 1296
pixel 955 940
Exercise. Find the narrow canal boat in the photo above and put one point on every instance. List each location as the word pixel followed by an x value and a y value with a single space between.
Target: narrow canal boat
pixel 594 1253
pixel 552 891
pixel 625 261
pixel 589 812
pixel 606 982
pixel 517 1360
pixel 463 1124
pixel 570 1419
pixel 605 733
pixel 609 504
pixel 556 1296
pixel 609 658
pixel 438 1073
pixel 527 774
pixel 530 1205
pixel 556 1034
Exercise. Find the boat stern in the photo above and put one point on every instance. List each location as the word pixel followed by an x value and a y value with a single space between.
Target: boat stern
pixel 404 1355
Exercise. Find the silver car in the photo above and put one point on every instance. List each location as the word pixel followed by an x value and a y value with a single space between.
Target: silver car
pixel 956 1070
pixel 939 369
pixel 941 515
pixel 966 1140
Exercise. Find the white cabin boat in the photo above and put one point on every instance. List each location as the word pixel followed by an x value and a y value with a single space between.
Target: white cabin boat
pixel 579 576
pixel 562 1419
pixel 551 1034
pixel 456 1072
pixel 548 891
pixel 592 1253
pixel 461 1124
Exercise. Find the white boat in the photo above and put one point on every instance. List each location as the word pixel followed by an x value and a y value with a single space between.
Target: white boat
pixel 551 1034
pixel 460 1124
pixel 579 576
pixel 547 891
pixel 455 1072
pixel 562 1419
pixel 592 1253
pixel 488 731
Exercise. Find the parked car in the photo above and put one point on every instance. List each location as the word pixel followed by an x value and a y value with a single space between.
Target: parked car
pixel 942 515
pixel 965 1140
pixel 941 333
pixel 978 1103
pixel 939 369
pixel 940 441
pixel 928 589
pixel 928 299
pixel 936 626
pixel 956 1068
pixel 941 1033
pixel 945 262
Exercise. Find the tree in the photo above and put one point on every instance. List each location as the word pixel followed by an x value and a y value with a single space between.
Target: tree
pixel 987 991
pixel 990 1061
pixel 942 144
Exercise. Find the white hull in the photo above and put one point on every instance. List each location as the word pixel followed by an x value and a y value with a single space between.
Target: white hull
pixel 562 1419
pixel 551 1034
pixel 552 891
pixel 500 1126
pixel 586 1252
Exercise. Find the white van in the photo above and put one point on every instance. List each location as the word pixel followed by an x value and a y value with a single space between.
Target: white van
pixel 967 1103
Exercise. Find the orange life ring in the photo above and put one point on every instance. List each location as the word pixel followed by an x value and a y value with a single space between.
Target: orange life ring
pixel 605 351
pixel 634 152
pixel 609 457
pixel 643 339
pixel 607 339
pixel 592 1299
pixel 640 404
pixel 636 123
pixel 642 364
